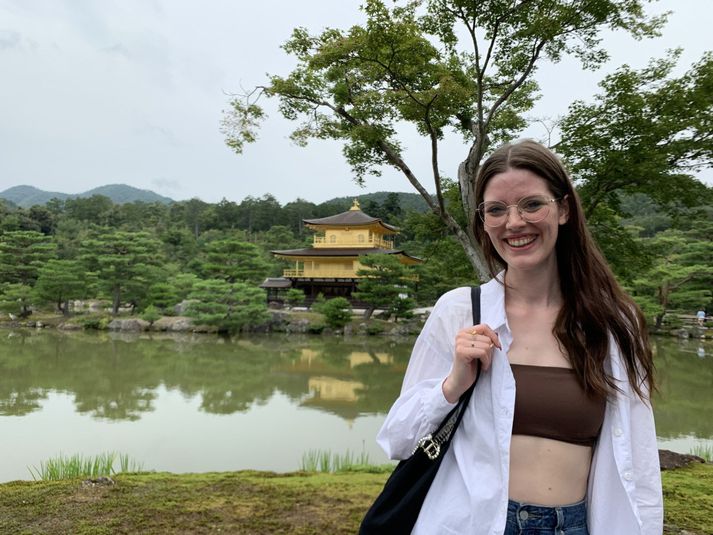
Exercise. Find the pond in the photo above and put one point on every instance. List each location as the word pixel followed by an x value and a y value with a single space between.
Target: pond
pixel 197 403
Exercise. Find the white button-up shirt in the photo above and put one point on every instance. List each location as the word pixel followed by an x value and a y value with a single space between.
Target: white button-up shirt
pixel 470 492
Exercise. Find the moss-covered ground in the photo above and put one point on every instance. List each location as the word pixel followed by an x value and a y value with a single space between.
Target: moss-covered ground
pixel 254 503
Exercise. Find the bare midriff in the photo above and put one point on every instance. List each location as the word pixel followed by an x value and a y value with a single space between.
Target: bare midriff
pixel 548 472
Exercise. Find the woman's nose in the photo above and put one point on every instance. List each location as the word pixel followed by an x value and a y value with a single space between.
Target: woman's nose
pixel 514 217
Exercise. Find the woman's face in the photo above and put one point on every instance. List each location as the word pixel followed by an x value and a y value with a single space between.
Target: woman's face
pixel 524 246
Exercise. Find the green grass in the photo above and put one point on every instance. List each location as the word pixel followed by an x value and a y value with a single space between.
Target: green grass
pixel 704 451
pixel 688 498
pixel 80 466
pixel 326 461
pixel 256 503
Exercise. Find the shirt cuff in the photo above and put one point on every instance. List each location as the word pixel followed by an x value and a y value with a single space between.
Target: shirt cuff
pixel 435 404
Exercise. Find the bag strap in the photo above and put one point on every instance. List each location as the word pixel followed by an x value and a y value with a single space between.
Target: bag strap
pixel 431 443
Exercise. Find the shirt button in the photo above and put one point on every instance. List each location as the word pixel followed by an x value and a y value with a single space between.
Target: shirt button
pixel 618 432
pixel 628 476
pixel 523 515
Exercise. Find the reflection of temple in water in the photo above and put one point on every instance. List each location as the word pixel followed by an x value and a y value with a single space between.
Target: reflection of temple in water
pixel 362 357
pixel 346 383
pixel 310 357
pixel 329 388
pixel 337 396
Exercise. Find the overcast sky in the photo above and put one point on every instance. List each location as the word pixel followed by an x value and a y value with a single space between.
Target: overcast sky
pixel 96 92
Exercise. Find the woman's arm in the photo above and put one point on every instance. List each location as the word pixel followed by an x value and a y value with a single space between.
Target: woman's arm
pixel 422 405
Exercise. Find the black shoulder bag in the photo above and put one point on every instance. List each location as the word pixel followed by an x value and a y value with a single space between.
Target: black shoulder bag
pixel 397 507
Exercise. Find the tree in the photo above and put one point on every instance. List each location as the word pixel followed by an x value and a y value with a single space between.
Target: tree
pixel 16 299
pixel 233 260
pixel 227 306
pixel 681 276
pixel 295 211
pixel 439 65
pixel 278 237
pixel 259 214
pixel 22 252
pixel 384 282
pixel 392 208
pixel 183 284
pixel 226 214
pixel 180 245
pixel 647 132
pixel 295 297
pixel 95 209
pixel 59 281
pixel 43 217
pixel 192 213
pixel 163 296
pixel 123 263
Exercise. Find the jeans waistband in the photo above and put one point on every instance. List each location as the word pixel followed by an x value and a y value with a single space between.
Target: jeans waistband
pixel 540 516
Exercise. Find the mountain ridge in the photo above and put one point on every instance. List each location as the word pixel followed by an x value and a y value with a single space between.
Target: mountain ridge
pixel 26 196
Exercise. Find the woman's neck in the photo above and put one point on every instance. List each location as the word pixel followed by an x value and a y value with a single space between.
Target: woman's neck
pixel 541 289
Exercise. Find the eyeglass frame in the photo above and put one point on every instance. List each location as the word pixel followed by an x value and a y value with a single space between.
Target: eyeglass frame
pixel 520 212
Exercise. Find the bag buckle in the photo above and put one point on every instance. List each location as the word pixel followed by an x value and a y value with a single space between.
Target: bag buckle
pixel 431 448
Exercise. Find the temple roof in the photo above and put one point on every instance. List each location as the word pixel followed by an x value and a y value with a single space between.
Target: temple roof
pixel 342 251
pixel 351 218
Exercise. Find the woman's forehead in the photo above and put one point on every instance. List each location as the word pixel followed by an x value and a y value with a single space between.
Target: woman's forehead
pixel 514 184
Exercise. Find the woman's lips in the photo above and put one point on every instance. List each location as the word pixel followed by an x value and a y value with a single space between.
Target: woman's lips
pixel 520 241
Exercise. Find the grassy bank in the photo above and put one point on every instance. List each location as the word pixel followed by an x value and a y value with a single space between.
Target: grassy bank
pixel 254 503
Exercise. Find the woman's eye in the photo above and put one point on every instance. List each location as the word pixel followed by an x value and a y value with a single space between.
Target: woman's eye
pixel 495 210
pixel 533 205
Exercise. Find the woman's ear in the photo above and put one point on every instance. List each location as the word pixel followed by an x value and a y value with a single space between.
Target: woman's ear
pixel 563 206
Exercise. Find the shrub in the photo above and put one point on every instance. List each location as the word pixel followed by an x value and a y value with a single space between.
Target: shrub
pixel 373 329
pixel 98 323
pixel 295 297
pixel 315 328
pixel 337 312
pixel 150 314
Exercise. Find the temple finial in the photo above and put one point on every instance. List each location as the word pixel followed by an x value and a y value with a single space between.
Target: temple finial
pixel 355 206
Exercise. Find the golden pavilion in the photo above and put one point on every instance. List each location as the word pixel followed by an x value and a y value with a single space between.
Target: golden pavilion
pixel 330 266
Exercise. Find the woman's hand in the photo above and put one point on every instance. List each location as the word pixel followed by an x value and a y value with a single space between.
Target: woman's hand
pixel 472 344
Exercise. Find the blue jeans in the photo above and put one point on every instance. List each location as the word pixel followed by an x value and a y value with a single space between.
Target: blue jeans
pixel 526 519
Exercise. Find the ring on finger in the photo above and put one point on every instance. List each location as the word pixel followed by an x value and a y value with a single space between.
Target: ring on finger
pixel 475 332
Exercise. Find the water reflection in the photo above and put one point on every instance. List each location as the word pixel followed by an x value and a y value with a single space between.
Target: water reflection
pixel 684 402
pixel 116 377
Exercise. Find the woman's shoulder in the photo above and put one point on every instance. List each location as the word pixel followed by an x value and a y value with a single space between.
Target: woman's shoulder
pixel 456 296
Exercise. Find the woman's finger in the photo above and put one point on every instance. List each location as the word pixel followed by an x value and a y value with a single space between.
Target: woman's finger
pixel 484 330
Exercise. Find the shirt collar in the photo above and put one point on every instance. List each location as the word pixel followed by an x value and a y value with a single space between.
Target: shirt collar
pixel 492 309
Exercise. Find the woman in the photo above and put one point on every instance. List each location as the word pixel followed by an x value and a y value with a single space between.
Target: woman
pixel 559 433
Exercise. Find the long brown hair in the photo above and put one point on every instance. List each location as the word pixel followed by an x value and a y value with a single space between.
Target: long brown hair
pixel 594 305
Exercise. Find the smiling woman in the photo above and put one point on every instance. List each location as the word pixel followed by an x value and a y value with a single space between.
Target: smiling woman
pixel 559 433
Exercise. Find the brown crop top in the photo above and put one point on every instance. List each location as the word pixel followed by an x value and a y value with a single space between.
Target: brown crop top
pixel 550 403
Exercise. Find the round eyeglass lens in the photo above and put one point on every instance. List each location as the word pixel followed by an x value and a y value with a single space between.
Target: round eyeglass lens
pixel 532 209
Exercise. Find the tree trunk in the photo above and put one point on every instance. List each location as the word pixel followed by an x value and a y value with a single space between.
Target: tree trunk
pixel 368 312
pixel 659 320
pixel 117 301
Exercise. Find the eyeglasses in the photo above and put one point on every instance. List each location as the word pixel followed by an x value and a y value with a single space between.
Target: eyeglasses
pixel 531 209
